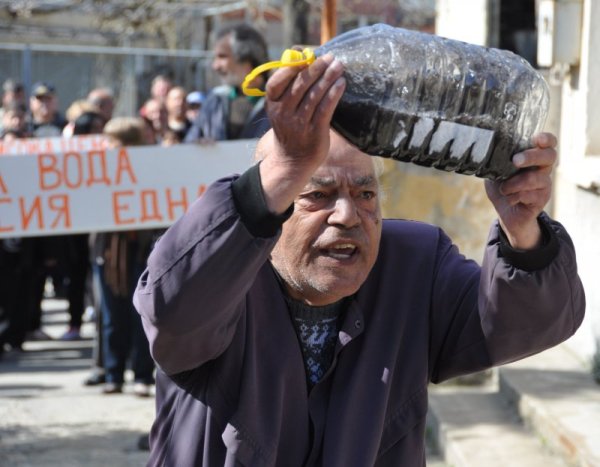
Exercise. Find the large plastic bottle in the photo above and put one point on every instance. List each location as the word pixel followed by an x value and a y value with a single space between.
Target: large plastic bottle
pixel 436 102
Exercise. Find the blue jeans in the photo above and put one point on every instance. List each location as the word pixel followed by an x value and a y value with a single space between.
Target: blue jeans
pixel 123 334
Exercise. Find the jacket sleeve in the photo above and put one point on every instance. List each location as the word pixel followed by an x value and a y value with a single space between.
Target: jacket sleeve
pixel 516 306
pixel 192 293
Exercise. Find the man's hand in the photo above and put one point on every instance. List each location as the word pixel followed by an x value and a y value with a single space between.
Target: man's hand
pixel 300 104
pixel 520 199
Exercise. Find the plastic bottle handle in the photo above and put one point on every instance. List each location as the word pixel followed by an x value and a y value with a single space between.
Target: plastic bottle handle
pixel 289 57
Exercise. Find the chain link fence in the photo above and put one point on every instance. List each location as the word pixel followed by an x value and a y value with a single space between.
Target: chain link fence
pixel 75 70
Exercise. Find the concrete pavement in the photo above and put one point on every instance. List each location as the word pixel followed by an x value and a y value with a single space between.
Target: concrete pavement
pixel 48 418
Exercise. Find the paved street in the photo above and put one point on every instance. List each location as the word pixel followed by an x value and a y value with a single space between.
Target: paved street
pixel 48 418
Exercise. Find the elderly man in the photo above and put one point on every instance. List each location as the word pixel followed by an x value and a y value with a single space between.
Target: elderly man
pixel 294 326
pixel 227 113
pixel 46 120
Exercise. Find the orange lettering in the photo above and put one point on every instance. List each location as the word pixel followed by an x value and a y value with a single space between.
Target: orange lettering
pixel 124 165
pixel 103 179
pixel 172 204
pixel 3 186
pixel 49 176
pixel 8 228
pixel 36 208
pixel 60 204
pixel 152 214
pixel 118 207
pixel 78 169
pixel 201 190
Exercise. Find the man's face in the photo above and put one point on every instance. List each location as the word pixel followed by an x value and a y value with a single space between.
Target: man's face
pixel 160 89
pixel 13 120
pixel 43 108
pixel 330 243
pixel 226 66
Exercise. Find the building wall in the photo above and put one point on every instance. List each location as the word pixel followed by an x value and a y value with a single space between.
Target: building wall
pixel 577 195
pixel 457 203
pixel 575 118
pixel 464 20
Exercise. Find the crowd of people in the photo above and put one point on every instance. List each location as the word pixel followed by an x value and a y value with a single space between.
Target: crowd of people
pixel 99 270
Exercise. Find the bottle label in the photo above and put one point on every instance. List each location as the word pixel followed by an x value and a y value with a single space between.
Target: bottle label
pixel 463 138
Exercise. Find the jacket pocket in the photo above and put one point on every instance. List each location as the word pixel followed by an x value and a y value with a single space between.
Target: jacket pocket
pixel 242 450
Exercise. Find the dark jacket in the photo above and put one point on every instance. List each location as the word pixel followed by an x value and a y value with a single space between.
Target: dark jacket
pixel 211 122
pixel 232 390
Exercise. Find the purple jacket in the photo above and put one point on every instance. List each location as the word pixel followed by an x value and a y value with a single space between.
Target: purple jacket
pixel 231 389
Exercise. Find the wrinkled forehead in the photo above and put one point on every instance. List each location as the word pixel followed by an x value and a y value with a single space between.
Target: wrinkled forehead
pixel 346 161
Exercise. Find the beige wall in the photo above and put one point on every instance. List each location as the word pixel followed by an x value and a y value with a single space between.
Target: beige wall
pixel 457 203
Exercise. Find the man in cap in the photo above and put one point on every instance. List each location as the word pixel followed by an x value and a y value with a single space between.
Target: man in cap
pixel 45 117
pixel 194 101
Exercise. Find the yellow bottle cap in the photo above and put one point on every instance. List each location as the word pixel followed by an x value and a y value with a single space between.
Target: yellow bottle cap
pixel 289 57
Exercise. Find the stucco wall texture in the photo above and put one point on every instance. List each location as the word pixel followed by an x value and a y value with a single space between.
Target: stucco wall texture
pixel 455 202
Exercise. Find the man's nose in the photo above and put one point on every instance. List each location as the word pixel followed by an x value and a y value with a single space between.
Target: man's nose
pixel 344 213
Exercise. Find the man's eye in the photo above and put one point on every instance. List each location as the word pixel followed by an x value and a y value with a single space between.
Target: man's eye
pixel 367 194
pixel 314 195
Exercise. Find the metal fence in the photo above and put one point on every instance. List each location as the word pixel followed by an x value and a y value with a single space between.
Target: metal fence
pixel 75 70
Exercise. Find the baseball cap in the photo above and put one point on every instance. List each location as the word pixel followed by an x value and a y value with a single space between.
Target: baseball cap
pixel 42 89
pixel 195 97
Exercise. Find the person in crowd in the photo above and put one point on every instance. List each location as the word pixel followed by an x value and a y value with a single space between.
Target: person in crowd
pixel 46 120
pixel 74 111
pixel 14 119
pixel 87 120
pixel 120 258
pixel 227 113
pixel 160 87
pixel 176 107
pixel 12 91
pixel 156 113
pixel 150 135
pixel 49 253
pixel 13 94
pixel 16 261
pixel 292 325
pixel 104 100
pixel 194 101
pixel 89 123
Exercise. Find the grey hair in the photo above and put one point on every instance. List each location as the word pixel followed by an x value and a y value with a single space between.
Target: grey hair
pixel 247 44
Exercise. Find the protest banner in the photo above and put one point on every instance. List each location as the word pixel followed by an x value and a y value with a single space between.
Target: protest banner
pixel 53 145
pixel 107 190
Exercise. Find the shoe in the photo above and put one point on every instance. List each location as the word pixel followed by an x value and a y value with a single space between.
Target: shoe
pixel 95 379
pixel 37 335
pixel 71 335
pixel 141 389
pixel 112 388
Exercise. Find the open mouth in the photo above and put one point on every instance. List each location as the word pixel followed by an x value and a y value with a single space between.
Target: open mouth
pixel 341 251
